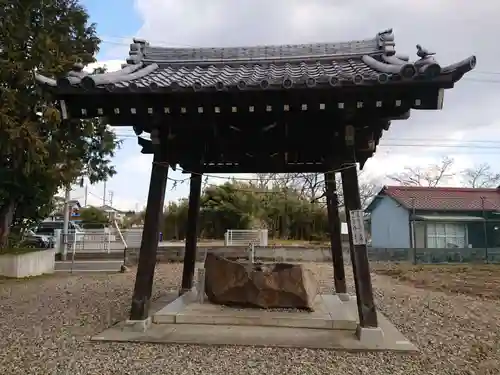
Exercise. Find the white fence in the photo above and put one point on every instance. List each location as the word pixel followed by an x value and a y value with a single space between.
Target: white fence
pixel 133 237
pixel 245 237
pixel 114 239
pixel 105 240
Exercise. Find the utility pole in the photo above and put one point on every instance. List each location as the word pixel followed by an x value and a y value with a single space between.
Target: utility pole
pixel 67 197
pixel 104 195
pixel 86 195
pixel 111 198
pixel 485 229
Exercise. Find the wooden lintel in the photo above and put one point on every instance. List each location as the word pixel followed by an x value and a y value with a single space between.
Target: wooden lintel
pixel 270 168
pixel 129 109
pixel 146 144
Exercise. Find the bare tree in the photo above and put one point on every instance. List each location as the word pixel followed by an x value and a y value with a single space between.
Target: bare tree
pixel 263 180
pixel 431 176
pixel 368 188
pixel 480 176
pixel 283 180
pixel 310 185
pixel 314 188
pixel 367 191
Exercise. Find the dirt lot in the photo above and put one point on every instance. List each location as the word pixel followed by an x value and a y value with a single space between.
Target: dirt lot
pixel 46 323
pixel 474 280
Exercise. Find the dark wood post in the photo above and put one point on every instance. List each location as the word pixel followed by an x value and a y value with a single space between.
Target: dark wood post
pixel 334 227
pixel 191 232
pixel 149 242
pixel 359 257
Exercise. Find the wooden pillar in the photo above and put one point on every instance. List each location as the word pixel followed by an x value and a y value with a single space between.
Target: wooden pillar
pixel 191 232
pixel 149 242
pixel 359 257
pixel 334 227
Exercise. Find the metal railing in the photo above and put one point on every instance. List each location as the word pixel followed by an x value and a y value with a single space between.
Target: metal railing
pixel 435 256
pixel 246 237
pixel 120 234
pixel 105 240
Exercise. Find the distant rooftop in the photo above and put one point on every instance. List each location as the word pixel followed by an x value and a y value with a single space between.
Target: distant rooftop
pixel 441 198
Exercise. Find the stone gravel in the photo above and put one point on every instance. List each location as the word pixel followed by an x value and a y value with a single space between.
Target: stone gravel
pixel 46 323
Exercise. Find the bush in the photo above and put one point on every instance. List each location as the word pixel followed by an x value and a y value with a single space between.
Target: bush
pixel 19 250
pixel 315 237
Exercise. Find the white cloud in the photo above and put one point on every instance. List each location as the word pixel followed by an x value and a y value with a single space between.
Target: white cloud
pixel 110 65
pixel 454 29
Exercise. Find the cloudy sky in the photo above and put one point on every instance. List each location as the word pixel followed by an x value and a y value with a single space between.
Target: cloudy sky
pixel 468 128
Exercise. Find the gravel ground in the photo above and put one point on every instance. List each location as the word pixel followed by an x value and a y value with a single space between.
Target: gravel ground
pixel 46 324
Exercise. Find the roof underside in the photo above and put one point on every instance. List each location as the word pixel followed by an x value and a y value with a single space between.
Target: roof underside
pixel 364 62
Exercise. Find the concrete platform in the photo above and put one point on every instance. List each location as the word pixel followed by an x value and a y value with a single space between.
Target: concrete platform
pixel 333 325
pixel 329 313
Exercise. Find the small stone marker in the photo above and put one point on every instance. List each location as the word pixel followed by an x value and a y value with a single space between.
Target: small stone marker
pixel 201 286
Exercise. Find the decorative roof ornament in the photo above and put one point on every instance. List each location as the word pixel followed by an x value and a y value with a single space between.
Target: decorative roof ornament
pixel 427 65
pixel 386 42
pixel 423 53
pixel 78 66
pixel 136 52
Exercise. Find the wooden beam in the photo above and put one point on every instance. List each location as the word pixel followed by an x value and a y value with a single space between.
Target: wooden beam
pixel 334 226
pixel 191 232
pixel 202 108
pixel 359 257
pixel 149 243
pixel 255 168
pixel 146 144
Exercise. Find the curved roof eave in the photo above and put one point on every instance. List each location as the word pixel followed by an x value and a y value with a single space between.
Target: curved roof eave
pixel 157 66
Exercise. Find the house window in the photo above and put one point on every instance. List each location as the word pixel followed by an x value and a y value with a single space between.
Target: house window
pixel 446 235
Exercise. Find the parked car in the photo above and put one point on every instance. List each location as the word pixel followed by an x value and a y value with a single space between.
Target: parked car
pixel 39 241
pixel 48 228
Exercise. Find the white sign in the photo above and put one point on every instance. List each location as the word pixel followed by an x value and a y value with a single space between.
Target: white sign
pixel 357 227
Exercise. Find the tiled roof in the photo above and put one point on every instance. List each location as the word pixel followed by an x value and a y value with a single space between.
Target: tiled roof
pixel 255 75
pixel 207 56
pixel 444 198
pixel 364 62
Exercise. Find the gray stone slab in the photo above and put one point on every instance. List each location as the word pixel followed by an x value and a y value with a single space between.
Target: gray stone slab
pixel 168 314
pixel 204 334
pixel 138 325
pixel 190 311
pixel 277 319
pixel 343 315
pixel 332 326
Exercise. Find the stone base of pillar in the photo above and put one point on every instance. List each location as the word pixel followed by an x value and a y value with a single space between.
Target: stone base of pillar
pixel 183 291
pixel 372 337
pixel 138 325
pixel 344 297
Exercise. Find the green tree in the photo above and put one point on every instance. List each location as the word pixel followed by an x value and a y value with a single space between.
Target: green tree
pixel 227 206
pixel 284 211
pixel 175 217
pixel 39 153
pixel 93 217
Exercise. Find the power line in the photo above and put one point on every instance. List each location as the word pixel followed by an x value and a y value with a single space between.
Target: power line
pixel 228 178
pixel 425 142
pixel 472 79
pixel 128 133
pixel 471 146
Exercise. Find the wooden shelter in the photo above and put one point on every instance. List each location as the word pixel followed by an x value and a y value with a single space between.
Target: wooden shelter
pixel 288 108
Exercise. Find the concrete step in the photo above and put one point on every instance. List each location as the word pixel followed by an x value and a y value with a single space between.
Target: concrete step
pixel 94 255
pixel 89 266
